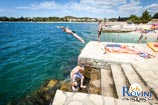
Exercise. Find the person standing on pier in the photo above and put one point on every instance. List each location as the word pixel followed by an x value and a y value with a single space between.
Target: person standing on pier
pixel 75 74
pixel 99 29
pixel 144 34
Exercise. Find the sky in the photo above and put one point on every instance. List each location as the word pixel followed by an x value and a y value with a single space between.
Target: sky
pixel 78 8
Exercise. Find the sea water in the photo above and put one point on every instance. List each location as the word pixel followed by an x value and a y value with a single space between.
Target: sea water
pixel 31 53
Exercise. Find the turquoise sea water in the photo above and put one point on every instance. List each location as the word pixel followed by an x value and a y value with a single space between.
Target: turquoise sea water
pixel 31 53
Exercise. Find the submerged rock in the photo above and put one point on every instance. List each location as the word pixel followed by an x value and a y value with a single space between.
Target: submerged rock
pixel 52 83
pixel 43 96
pixel 66 86
pixel 46 93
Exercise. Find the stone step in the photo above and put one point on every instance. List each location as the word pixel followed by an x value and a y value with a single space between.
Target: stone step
pixel 150 78
pixel 119 78
pixel 107 84
pixel 133 77
pixel 77 98
pixel 94 83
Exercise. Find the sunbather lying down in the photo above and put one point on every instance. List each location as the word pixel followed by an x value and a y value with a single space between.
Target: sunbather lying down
pixel 117 48
pixel 67 30
pixel 76 74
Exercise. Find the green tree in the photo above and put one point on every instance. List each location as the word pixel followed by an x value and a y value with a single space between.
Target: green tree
pixel 134 19
pixel 146 17
pixel 155 16
pixel 119 18
pixel 4 18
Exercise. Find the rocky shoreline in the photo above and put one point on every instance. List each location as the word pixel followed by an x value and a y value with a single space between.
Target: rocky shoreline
pixel 46 93
pixel 40 97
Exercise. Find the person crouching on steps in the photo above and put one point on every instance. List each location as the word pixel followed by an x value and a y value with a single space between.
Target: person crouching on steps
pixel 76 74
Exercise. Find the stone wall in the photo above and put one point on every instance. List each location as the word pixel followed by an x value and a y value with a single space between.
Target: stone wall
pixel 94 63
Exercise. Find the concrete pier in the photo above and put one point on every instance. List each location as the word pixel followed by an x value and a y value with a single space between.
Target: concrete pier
pixel 69 98
pixel 116 70
pixel 94 55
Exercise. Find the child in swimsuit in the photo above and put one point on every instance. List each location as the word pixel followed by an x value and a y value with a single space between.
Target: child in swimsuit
pixel 76 74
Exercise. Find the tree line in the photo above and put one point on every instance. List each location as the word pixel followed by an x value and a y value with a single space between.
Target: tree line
pixel 47 19
pixel 39 19
pixel 145 18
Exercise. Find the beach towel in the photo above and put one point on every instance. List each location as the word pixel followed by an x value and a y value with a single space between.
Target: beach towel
pixel 153 46
pixel 117 48
pixel 154 26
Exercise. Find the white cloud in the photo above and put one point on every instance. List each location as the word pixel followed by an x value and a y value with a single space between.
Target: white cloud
pixel 42 5
pixel 152 8
pixel 103 2
pixel 98 7
pixel 133 7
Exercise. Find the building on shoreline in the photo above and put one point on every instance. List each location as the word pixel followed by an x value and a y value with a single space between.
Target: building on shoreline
pixel 154 21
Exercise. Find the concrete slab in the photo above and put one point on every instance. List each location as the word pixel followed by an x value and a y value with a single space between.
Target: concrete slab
pixel 144 71
pixel 109 101
pixel 94 55
pixel 107 84
pixel 149 77
pixel 121 102
pixel 119 78
pixel 133 77
pixel 69 98
pixel 94 83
